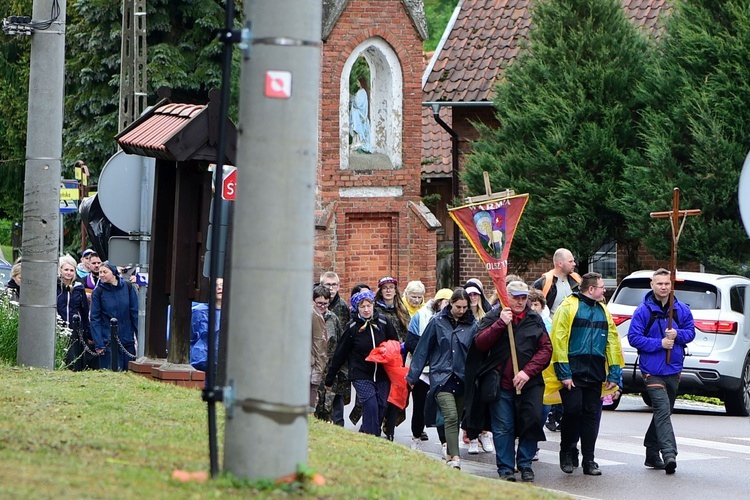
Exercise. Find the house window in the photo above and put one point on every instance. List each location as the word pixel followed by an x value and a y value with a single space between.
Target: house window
pixel 604 262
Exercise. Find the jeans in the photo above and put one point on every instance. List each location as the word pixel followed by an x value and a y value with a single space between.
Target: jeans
pixel 452 407
pixel 337 410
pixel 660 434
pixel 503 415
pixel 581 414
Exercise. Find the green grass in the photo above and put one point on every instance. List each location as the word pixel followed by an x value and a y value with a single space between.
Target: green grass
pixel 114 435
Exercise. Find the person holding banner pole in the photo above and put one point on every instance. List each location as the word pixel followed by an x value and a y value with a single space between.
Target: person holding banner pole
pixel 511 397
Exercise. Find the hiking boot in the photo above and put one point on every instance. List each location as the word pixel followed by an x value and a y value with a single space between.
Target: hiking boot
pixel 670 465
pixel 654 461
pixel 591 468
pixel 566 462
pixel 527 475
pixel 485 440
pixel 474 447
pixel 508 476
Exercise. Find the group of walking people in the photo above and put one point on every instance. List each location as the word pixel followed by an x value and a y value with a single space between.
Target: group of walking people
pixel 89 295
pixel 483 366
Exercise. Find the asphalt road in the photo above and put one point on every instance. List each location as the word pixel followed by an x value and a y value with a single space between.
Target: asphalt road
pixel 713 456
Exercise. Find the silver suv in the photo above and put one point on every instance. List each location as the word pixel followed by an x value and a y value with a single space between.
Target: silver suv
pixel 717 362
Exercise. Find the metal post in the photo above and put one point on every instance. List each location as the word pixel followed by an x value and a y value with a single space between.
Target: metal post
pixel 114 346
pixel 41 206
pixel 77 344
pixel 272 241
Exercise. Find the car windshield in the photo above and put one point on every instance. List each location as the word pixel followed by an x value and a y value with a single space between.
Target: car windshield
pixel 695 295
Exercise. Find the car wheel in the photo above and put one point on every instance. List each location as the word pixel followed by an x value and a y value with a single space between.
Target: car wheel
pixel 646 398
pixel 737 403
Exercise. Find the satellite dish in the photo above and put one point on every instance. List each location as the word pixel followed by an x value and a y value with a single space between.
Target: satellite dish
pixel 119 190
pixel 744 194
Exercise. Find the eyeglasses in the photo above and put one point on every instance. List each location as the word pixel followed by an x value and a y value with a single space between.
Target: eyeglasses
pixel 602 287
pixel 321 304
pixel 388 288
pixel 330 285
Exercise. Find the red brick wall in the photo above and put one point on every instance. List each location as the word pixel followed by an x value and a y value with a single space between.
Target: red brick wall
pixel 367 238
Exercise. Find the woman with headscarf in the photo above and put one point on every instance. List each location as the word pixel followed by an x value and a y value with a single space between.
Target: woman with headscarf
pixel 366 331
pixel 114 297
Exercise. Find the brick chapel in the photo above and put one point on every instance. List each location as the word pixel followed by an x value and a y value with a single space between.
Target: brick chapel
pixel 370 221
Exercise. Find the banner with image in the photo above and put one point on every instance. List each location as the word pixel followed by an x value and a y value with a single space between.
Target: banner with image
pixel 489 226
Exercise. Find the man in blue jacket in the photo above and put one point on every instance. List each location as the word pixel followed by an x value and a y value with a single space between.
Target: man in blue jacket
pixel 649 334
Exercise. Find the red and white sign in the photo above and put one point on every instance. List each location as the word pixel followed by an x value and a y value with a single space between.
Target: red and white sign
pixel 229 184
pixel 278 84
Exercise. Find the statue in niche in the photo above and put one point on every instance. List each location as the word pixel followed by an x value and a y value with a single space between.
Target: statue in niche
pixel 359 118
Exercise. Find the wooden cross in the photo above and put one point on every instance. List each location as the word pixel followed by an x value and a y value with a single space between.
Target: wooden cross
pixel 674 217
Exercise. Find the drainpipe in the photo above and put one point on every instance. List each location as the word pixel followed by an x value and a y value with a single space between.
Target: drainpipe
pixel 454 186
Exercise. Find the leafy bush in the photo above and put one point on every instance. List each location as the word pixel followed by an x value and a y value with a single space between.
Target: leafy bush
pixel 9 334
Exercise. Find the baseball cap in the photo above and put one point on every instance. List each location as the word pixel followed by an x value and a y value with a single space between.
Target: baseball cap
pixel 444 293
pixel 516 288
pixel 473 289
pixel 87 252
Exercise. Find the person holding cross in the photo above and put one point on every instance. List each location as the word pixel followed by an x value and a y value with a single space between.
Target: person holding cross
pixel 655 330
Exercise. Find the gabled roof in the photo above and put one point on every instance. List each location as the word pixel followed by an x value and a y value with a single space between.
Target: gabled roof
pixel 178 132
pixel 332 10
pixel 486 36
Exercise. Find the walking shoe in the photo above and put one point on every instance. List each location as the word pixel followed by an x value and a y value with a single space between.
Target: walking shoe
pixel 551 424
pixel 454 464
pixel 508 476
pixel 566 462
pixel 536 456
pixel 670 465
pixel 654 461
pixel 424 437
pixel 416 444
pixel 591 468
pixel 574 457
pixel 527 475
pixel 485 439
pixel 473 447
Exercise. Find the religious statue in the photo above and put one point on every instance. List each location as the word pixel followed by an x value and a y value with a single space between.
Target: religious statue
pixel 359 118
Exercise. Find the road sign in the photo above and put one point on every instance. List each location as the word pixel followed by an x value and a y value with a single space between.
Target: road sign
pixel 120 189
pixel 68 190
pixel 229 184
pixel 278 84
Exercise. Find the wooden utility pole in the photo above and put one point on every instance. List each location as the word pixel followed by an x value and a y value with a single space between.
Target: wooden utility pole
pixel 674 217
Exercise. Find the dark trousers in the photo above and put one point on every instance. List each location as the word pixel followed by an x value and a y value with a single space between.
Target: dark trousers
pixel 373 397
pixel 418 398
pixel 581 413
pixel 660 434
pixel 337 410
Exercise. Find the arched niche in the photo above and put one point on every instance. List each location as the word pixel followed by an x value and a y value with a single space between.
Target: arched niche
pixel 386 107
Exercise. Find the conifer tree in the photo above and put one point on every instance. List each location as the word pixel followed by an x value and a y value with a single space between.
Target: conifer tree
pixel 568 111
pixel 697 133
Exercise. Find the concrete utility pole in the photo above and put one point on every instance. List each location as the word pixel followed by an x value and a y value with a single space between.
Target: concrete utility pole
pixel 268 363
pixel 41 205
